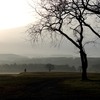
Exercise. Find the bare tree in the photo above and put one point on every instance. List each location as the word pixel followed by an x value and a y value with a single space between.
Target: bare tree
pixel 49 67
pixel 91 5
pixel 56 17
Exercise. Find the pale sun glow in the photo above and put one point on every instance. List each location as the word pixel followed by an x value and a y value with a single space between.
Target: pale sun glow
pixel 15 13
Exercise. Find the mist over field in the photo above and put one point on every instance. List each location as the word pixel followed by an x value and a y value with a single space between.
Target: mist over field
pixel 17 49
pixel 49 50
pixel 12 63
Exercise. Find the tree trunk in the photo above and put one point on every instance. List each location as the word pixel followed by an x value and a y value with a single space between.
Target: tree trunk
pixel 84 65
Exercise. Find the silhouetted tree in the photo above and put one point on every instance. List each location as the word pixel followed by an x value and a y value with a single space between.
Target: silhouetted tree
pixel 91 8
pixel 49 67
pixel 91 5
pixel 56 17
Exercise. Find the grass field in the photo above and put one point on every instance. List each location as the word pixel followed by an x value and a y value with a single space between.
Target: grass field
pixel 49 86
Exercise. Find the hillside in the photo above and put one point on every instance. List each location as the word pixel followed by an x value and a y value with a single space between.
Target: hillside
pixel 13 58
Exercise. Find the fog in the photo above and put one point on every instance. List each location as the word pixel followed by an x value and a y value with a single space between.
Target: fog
pixel 16 41
pixel 14 19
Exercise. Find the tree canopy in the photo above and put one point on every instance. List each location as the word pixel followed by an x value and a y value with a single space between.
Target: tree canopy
pixel 66 18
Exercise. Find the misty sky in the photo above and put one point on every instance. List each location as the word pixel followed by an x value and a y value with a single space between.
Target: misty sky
pixel 15 15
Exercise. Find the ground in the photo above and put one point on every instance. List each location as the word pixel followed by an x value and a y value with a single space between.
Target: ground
pixel 49 86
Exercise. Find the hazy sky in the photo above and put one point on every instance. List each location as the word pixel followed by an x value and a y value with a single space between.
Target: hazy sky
pixel 16 41
pixel 15 15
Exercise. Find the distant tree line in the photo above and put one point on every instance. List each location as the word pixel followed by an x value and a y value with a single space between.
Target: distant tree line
pixel 46 68
pixel 35 67
pixel 95 68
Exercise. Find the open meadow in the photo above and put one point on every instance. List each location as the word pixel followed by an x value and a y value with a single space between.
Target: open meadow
pixel 49 86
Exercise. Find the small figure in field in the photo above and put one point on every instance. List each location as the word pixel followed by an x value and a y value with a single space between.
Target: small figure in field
pixel 25 70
